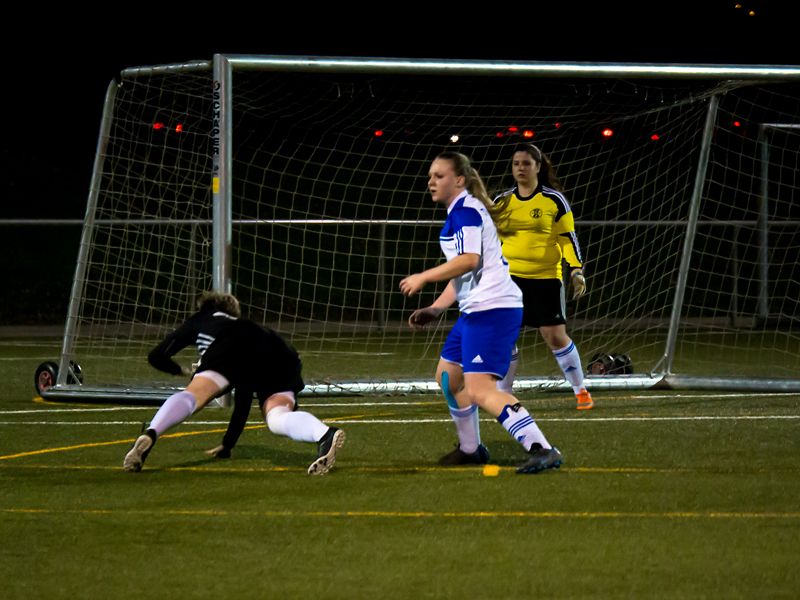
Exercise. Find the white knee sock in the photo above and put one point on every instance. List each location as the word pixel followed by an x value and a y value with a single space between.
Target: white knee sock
pixel 522 427
pixel 506 384
pixel 570 362
pixel 467 427
pixel 176 409
pixel 300 426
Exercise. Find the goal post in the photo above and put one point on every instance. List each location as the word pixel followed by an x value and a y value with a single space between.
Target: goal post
pixel 298 184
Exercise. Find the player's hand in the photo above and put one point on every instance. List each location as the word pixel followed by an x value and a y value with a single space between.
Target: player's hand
pixel 219 452
pixel 419 319
pixel 578 284
pixel 412 283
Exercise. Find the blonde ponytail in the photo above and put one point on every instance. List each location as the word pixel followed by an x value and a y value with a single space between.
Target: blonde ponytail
pixel 473 184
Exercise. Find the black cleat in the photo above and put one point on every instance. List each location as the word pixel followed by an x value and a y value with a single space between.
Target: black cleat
pixel 327 447
pixel 141 448
pixel 459 457
pixel 541 459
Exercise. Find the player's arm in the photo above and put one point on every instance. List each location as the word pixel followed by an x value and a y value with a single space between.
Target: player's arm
pixel 455 267
pixel 420 318
pixel 160 357
pixel 242 404
pixel 571 251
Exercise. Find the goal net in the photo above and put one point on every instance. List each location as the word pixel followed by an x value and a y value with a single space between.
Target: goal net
pixel 684 194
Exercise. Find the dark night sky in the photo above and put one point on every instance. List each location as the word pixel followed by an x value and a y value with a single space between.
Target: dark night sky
pixel 54 104
pixel 58 63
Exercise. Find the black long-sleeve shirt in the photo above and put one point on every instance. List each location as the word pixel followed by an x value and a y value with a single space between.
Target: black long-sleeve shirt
pixel 201 330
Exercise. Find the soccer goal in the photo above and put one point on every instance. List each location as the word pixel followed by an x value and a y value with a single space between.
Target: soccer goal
pixel 299 184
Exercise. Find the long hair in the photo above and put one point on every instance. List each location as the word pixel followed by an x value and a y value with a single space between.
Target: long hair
pixel 547 177
pixel 547 172
pixel 472 182
pixel 217 302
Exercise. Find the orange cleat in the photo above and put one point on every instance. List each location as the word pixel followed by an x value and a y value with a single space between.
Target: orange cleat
pixel 584 399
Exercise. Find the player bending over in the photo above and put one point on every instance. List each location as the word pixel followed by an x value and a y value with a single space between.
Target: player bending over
pixel 241 355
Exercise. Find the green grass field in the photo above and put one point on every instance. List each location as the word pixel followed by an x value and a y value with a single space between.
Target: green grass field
pixel 662 495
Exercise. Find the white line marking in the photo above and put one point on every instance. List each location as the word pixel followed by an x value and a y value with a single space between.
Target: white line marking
pixel 345 421
pixel 340 353
pixel 117 408
pixel 305 403
pixel 72 410
pixel 731 395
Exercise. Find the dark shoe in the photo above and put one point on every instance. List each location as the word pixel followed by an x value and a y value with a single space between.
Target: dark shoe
pixel 141 448
pixel 459 457
pixel 327 447
pixel 541 459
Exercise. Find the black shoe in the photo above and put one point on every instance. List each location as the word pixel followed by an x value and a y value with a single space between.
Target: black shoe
pixel 141 448
pixel 327 447
pixel 541 459
pixel 459 457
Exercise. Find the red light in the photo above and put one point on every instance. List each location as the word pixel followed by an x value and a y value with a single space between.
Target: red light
pixel 527 133
pixel 736 124
pixel 512 129
pixel 179 128
pixel 501 134
pixel 654 137
pixel 558 124
pixel 608 132
pixel 379 133
pixel 158 125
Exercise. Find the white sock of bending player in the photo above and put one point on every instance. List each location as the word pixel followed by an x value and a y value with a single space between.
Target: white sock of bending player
pixel 570 362
pixel 522 427
pixel 298 425
pixel 467 427
pixel 176 409
pixel 506 384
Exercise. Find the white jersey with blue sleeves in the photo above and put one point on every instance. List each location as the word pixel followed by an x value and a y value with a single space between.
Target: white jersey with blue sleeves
pixel 469 229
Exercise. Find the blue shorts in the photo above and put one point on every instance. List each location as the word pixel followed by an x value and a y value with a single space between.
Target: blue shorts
pixel 482 342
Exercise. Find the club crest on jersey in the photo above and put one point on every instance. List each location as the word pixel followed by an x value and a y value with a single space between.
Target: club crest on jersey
pixel 536 213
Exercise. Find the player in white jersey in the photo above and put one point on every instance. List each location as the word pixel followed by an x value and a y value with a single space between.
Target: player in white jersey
pixel 477 352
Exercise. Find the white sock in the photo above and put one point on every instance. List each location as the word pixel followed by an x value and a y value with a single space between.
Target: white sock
pixel 570 362
pixel 522 427
pixel 176 409
pixel 298 425
pixel 468 427
pixel 506 384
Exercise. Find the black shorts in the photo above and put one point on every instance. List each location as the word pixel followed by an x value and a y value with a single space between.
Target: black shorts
pixel 543 301
pixel 254 360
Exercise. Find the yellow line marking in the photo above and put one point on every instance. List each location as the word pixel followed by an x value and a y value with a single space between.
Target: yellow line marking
pixel 410 469
pixel 346 418
pixel 491 470
pixel 130 441
pixel 40 400
pixel 418 514
pixel 359 417
pixel 171 435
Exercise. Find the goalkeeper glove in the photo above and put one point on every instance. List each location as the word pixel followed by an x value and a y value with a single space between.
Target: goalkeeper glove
pixel 578 284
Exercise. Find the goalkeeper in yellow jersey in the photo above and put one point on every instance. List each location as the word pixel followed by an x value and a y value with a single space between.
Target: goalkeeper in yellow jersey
pixel 538 232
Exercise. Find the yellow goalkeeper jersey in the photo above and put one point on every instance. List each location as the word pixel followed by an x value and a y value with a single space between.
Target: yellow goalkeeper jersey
pixel 541 232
